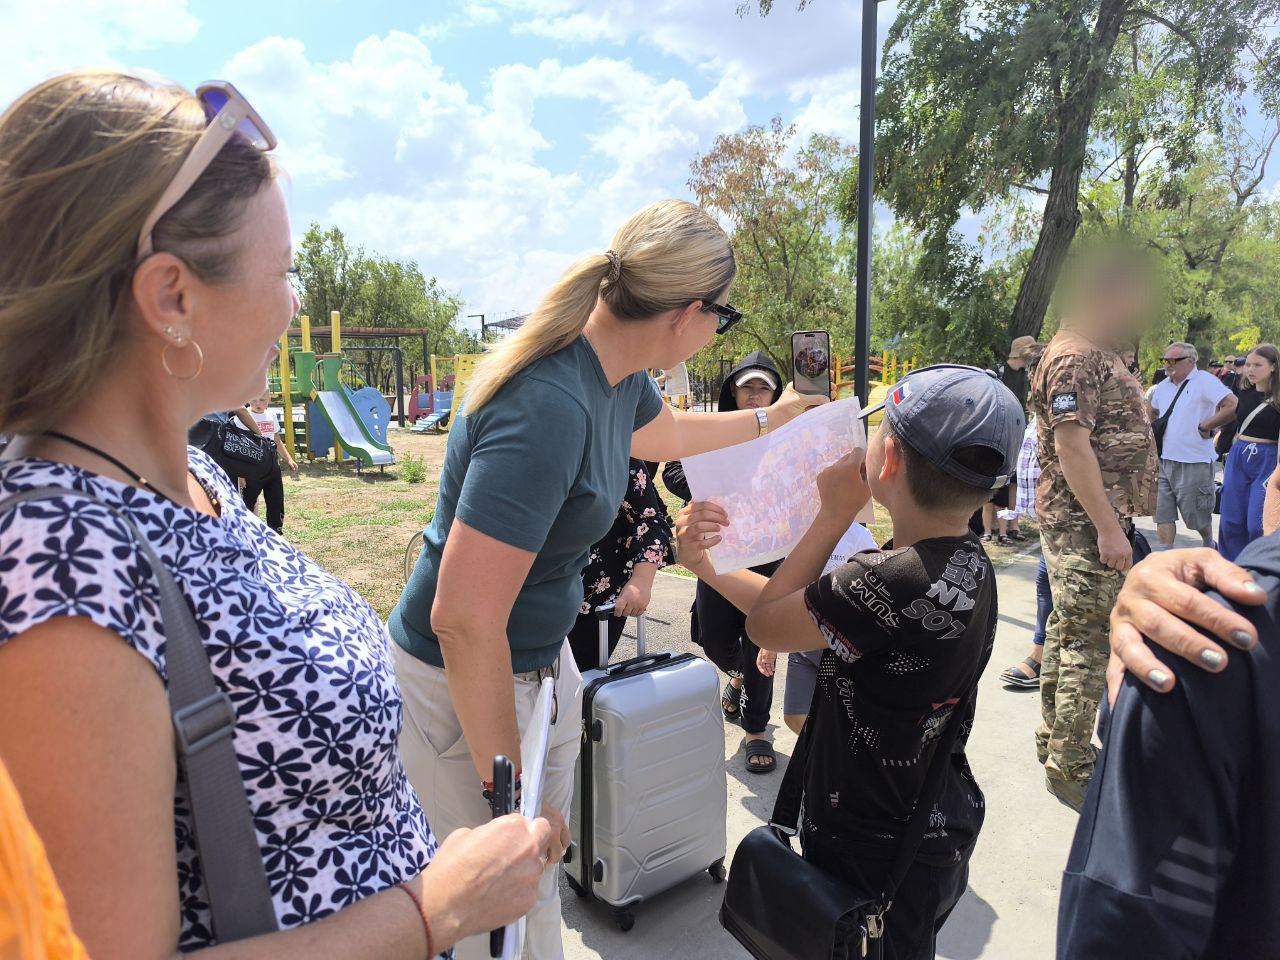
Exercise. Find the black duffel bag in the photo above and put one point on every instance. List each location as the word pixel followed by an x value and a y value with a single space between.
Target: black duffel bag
pixel 782 907
pixel 241 447
pixel 240 452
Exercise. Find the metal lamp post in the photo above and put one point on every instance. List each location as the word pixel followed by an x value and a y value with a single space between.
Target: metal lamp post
pixel 866 199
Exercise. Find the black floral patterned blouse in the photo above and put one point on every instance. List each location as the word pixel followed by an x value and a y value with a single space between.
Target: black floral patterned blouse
pixel 304 659
pixel 641 533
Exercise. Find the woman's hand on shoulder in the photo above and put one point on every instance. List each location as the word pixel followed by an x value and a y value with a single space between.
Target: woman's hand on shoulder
pixel 1163 600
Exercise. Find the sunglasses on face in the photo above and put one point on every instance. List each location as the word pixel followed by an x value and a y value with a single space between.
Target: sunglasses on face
pixel 728 316
pixel 229 114
pixel 1171 361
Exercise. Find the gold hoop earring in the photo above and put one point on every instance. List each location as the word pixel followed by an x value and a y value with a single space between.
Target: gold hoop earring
pixel 164 360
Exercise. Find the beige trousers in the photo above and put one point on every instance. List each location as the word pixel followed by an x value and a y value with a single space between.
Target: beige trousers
pixel 438 762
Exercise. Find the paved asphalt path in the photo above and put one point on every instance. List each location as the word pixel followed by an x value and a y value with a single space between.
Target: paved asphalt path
pixel 1009 911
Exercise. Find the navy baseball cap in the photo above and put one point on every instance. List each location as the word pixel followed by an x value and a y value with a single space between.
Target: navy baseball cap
pixel 944 408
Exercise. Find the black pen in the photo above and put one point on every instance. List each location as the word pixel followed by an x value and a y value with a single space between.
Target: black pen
pixel 501 803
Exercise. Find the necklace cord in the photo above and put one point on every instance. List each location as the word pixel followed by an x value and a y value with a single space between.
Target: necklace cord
pixel 125 468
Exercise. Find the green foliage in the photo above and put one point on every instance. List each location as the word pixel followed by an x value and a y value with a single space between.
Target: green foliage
pixel 779 198
pixel 1116 116
pixel 1217 242
pixel 412 469
pixel 958 320
pixel 371 290
pixel 981 104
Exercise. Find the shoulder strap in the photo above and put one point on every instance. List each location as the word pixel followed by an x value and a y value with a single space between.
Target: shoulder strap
pixel 1168 413
pixel 204 726
pixel 929 794
pixel 1243 429
pixel 786 811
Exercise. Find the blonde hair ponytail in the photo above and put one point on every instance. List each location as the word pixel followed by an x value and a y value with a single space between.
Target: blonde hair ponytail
pixel 666 256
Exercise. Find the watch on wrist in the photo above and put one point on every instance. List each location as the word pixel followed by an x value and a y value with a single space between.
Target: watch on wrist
pixel 762 418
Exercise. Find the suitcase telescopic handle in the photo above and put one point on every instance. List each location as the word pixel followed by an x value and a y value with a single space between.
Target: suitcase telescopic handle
pixel 603 613
pixel 639 663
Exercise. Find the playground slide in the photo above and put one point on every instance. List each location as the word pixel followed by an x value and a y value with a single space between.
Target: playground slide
pixel 347 426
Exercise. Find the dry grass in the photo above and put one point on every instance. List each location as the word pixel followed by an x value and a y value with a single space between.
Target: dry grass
pixel 357 526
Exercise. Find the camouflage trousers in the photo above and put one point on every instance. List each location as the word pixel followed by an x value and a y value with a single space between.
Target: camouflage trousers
pixel 1077 645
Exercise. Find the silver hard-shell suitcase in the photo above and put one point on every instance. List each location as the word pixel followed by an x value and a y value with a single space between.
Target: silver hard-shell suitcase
pixel 650 796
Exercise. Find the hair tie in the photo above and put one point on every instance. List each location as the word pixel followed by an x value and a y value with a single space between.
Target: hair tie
pixel 615 266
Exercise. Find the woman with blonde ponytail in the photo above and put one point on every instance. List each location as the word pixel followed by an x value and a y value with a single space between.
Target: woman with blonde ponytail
pixel 535 470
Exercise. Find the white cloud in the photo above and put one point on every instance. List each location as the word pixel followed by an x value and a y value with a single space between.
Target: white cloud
pixel 761 54
pixel 40 39
pixel 830 105
pixel 494 187
pixel 415 166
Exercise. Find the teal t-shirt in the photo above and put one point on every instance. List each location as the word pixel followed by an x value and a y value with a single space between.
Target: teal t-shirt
pixel 543 467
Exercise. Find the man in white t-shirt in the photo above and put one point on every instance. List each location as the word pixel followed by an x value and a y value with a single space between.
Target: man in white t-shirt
pixel 1200 403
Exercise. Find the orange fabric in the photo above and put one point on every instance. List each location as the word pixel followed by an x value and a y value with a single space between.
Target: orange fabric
pixel 33 916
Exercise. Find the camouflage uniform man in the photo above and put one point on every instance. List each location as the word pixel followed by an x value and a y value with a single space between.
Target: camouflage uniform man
pixel 1098 472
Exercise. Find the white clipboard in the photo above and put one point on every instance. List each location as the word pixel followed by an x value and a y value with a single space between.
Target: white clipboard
pixel 533 752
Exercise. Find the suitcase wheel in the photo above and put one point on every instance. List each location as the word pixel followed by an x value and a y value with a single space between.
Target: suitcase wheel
pixel 717 871
pixel 626 920
pixel 575 886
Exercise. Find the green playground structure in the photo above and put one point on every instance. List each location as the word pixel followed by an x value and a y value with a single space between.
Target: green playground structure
pixel 347 414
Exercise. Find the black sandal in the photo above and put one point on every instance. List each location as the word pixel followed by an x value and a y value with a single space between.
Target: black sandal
pixel 1013 677
pixel 760 748
pixel 731 697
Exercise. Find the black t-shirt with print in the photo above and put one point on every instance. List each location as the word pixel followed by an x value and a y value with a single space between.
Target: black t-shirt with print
pixel 908 630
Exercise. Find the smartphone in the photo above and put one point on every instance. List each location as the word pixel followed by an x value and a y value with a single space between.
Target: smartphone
pixel 811 361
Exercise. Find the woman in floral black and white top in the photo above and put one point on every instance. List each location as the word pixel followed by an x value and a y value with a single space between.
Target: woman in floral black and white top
pixel 622 565
pixel 144 282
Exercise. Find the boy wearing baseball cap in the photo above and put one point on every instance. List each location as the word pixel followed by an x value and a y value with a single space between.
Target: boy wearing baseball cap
pixel 905 630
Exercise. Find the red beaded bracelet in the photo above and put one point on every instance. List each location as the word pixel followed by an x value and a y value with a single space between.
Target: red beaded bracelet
pixel 422 915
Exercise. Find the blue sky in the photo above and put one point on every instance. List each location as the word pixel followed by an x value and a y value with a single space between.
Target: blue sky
pixel 493 141
pixel 490 140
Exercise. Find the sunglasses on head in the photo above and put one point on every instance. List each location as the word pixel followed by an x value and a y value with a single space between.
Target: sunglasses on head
pixel 726 314
pixel 229 113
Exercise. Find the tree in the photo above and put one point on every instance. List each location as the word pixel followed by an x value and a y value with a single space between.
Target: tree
pixel 976 103
pixel 331 274
pixel 959 318
pixel 1216 239
pixel 780 198
pixel 371 290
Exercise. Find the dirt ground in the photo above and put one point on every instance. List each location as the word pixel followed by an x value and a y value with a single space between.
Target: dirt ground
pixel 357 526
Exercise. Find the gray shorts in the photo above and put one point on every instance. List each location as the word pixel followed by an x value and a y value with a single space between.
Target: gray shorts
pixel 1185 488
pixel 802 677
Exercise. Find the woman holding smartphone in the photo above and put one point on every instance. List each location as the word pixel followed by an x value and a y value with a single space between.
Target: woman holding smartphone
pixel 535 470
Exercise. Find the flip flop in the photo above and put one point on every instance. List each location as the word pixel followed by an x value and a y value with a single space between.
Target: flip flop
pixel 732 695
pixel 760 748
pixel 1014 677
